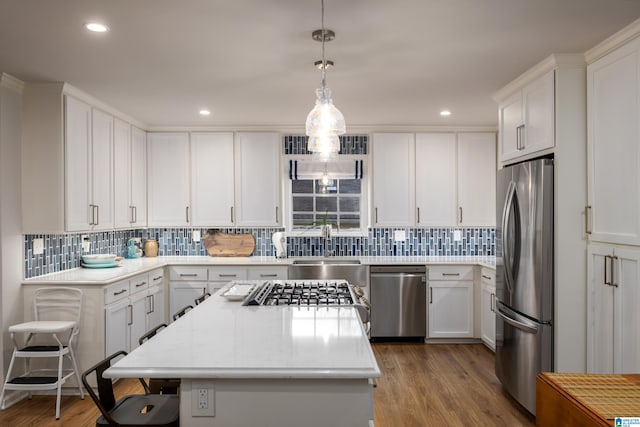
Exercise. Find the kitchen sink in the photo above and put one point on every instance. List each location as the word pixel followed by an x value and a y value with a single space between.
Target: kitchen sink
pixel 325 261
pixel 350 270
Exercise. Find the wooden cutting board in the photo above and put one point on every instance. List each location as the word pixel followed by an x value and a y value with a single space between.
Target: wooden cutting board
pixel 222 244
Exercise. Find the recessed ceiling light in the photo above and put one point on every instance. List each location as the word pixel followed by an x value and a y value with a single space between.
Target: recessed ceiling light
pixel 445 113
pixel 96 27
pixel 205 112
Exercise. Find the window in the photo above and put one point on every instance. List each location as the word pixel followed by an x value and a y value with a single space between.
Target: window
pixel 338 202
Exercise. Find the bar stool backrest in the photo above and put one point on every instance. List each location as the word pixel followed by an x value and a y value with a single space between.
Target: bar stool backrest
pixel 57 303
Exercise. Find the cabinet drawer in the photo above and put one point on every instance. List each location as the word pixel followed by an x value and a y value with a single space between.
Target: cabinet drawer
pixel 451 272
pixel 488 275
pixel 268 273
pixel 139 283
pixel 156 277
pixel 228 273
pixel 177 273
pixel 116 292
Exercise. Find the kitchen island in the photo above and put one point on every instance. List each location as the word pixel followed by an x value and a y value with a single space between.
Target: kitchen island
pixel 267 366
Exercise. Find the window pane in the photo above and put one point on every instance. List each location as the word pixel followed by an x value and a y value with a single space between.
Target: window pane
pixel 324 204
pixel 349 204
pixel 350 221
pixel 350 186
pixel 331 188
pixel 303 220
pixel 303 204
pixel 302 186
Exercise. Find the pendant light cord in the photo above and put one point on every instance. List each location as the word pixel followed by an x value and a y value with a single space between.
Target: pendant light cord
pixel 324 63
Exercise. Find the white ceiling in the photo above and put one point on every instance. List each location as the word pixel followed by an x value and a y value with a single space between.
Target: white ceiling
pixel 251 61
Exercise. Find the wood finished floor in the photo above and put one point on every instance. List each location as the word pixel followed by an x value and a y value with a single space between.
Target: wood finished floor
pixel 421 385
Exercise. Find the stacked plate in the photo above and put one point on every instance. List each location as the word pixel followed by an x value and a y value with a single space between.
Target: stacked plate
pixel 100 261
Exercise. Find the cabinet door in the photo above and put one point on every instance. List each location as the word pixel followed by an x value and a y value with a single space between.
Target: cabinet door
pixel 77 151
pixel 123 212
pixel 168 179
pixel 102 169
pixel 138 318
pixel 393 179
pixel 139 177
pixel 450 309
pixel 509 119
pixel 155 307
pixel 436 181
pixel 477 179
pixel 613 89
pixel 117 327
pixel 257 173
pixel 487 314
pixel 538 100
pixel 613 339
pixel 212 186
pixel 182 294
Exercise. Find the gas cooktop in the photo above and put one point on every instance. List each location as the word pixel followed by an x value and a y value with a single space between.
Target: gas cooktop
pixel 302 292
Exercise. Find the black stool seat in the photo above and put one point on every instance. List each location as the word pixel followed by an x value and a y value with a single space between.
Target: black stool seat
pixel 145 410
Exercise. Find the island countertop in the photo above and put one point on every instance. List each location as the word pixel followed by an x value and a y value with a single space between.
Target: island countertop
pixel 222 339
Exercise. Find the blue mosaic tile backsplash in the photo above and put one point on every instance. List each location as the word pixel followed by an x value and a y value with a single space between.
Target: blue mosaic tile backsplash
pixel 63 251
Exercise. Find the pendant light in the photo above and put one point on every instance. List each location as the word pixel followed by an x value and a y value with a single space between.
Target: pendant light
pixel 325 122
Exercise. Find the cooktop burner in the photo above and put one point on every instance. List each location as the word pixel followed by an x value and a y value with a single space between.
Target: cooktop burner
pixel 306 293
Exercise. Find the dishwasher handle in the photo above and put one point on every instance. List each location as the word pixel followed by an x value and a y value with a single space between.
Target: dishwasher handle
pixel 405 269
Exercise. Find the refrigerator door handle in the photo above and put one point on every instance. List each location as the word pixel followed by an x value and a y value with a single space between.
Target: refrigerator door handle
pixel 511 271
pixel 522 325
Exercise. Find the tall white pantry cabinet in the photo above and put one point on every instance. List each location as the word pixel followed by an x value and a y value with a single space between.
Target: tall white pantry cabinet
pixel 613 209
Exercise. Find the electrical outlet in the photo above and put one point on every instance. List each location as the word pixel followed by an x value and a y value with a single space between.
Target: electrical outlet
pixel 38 246
pixel 86 244
pixel 196 235
pixel 399 236
pixel 457 235
pixel 202 400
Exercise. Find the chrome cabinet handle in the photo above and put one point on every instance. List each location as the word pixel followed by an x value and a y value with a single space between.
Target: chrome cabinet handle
pixel 519 139
pixel 588 229
pixel 276 214
pixel 493 303
pixel 227 275
pixel 430 295
pixel 187 216
pixel 188 274
pixel 418 212
pixel 486 277
pixel 268 275
pixel 97 214
pixel 606 259
pixel 460 211
pixel 232 220
pixel 376 212
pixel 130 315
pixel 157 278
pixel 450 274
pixel 141 284
pixel 135 214
pixel 120 292
pixel 613 282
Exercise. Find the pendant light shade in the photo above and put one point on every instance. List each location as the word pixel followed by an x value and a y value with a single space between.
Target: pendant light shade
pixel 325 122
pixel 325 119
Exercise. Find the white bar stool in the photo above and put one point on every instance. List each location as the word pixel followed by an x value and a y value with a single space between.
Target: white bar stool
pixel 57 315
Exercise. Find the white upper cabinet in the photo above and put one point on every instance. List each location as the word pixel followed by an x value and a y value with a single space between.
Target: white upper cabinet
pixel 168 179
pixel 130 180
pixel 139 177
pixel 436 183
pixel 526 119
pixel 613 92
pixel 476 179
pixel 257 174
pixel 78 212
pixel 123 212
pixel 89 167
pixel 393 179
pixel 212 181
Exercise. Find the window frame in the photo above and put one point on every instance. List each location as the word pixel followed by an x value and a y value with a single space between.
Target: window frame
pixel 315 231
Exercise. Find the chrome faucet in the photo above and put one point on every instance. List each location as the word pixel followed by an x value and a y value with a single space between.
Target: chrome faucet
pixel 325 230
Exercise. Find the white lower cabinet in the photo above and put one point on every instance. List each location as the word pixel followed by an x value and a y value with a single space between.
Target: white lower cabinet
pixel 185 285
pixel 488 307
pixel 613 318
pixel 132 307
pixel 450 301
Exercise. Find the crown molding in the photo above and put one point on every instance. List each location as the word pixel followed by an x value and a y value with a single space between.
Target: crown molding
pixel 351 129
pixel 556 60
pixel 10 82
pixel 613 42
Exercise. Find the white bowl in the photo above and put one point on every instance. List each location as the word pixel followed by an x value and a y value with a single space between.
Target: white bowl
pixel 98 258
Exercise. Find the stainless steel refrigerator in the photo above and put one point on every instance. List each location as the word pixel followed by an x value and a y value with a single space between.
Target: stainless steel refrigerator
pixel 524 277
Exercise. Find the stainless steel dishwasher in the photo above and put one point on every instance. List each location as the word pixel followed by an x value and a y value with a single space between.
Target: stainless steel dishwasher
pixel 398 301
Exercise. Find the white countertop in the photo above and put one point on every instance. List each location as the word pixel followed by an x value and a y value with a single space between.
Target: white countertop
pixel 131 267
pixel 222 339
